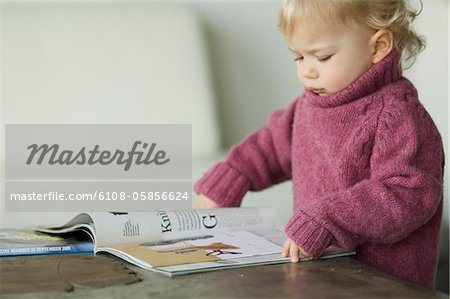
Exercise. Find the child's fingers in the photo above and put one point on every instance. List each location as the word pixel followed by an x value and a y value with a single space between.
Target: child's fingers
pixel 204 202
pixel 293 251
pixel 286 247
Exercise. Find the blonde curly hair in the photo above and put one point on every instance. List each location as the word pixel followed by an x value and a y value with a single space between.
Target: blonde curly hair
pixel 395 15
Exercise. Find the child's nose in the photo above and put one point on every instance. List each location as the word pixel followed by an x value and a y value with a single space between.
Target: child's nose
pixel 309 72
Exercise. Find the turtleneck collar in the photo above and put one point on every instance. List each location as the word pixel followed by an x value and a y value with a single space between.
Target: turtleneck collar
pixel 383 73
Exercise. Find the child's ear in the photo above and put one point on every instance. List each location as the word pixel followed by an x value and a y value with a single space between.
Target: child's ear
pixel 382 43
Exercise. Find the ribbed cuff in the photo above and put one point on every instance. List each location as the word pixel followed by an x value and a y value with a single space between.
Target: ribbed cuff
pixel 223 184
pixel 307 234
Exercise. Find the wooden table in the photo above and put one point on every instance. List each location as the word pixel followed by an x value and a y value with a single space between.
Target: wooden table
pixel 86 276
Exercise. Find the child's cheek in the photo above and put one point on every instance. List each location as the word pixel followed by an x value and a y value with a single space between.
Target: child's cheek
pixel 299 76
pixel 335 80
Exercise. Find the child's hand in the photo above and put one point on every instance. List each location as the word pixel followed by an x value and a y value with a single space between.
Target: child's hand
pixel 204 202
pixel 291 249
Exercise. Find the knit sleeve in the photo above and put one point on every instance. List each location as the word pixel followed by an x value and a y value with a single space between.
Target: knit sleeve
pixel 260 160
pixel 403 192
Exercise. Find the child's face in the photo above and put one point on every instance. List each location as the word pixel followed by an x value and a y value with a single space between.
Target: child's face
pixel 330 56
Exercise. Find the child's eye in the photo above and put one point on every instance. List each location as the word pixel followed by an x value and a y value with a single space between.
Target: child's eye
pixel 298 58
pixel 324 58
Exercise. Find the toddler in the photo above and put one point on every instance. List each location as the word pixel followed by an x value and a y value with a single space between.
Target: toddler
pixel 365 158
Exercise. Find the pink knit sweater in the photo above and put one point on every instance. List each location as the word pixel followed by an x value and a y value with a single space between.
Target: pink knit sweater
pixel 366 165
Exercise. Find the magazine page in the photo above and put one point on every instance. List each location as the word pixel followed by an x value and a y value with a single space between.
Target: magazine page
pixel 139 227
pixel 107 228
pixel 82 222
pixel 207 248
pixel 271 233
pixel 271 237
pixel 258 260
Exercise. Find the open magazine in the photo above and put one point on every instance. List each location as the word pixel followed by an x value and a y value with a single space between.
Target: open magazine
pixel 186 241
